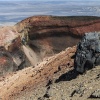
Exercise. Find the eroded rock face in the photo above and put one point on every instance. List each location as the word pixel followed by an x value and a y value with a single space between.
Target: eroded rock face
pixel 48 35
pixel 88 52
pixel 12 61
pixel 43 26
pixel 52 34
pixel 9 38
pixel 6 62
pixel 12 57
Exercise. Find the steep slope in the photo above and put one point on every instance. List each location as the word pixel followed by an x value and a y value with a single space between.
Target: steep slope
pixel 29 79
pixel 52 79
pixel 48 35
pixel 48 25
pixel 51 34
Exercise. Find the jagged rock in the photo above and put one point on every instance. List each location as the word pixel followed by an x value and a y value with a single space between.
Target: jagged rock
pixel 95 94
pixel 88 52
pixel 10 62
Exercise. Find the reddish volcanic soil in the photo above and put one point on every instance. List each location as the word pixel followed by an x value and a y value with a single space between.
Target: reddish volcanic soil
pixel 47 25
pixel 48 54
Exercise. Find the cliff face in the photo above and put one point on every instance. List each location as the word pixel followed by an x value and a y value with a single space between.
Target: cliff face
pixel 48 25
pixel 51 34
pixel 9 38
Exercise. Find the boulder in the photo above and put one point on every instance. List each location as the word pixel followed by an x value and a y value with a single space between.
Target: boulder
pixel 95 94
pixel 88 52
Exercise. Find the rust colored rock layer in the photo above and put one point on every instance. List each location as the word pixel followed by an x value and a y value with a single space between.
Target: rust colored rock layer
pixel 52 34
pixel 48 25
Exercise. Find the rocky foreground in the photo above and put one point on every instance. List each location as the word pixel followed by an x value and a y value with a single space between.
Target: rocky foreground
pixel 47 44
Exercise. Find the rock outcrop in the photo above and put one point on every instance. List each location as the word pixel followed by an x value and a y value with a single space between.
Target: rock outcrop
pixel 88 52
pixel 95 94
pixel 11 52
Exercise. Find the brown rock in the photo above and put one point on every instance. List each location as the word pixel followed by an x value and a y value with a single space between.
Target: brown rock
pixel 30 78
pixel 52 34
pixel 48 25
pixel 9 38
pixel 12 57
pixel 47 35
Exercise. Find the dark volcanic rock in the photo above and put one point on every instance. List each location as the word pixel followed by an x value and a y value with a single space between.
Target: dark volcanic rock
pixel 88 52
pixel 48 35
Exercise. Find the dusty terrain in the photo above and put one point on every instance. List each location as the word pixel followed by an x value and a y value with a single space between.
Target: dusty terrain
pixel 32 77
pixel 49 58
pixel 48 81
pixel 69 86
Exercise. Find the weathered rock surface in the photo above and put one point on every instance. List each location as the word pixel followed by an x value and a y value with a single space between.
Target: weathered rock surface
pixel 95 94
pixel 9 38
pixel 6 62
pixel 12 57
pixel 48 25
pixel 47 35
pixel 52 34
pixel 29 79
pixel 52 79
pixel 88 52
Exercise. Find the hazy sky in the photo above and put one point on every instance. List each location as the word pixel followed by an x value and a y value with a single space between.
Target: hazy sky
pixel 13 11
